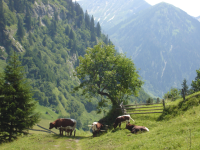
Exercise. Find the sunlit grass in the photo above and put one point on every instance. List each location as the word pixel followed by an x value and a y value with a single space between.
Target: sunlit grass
pixel 180 132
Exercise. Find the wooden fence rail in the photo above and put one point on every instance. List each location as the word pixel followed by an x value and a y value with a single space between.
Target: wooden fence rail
pixel 142 109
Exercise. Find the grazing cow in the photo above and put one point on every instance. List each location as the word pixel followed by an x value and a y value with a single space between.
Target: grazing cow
pixel 96 127
pixel 135 129
pixel 63 124
pixel 121 119
pixel 67 129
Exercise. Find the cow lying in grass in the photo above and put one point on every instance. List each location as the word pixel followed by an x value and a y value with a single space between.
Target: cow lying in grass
pixel 96 127
pixel 135 129
pixel 120 119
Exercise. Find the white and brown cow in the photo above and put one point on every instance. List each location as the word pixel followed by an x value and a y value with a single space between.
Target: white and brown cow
pixel 96 127
pixel 120 119
pixel 135 129
pixel 64 124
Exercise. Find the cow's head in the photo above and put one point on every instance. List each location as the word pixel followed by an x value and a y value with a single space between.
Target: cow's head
pixel 129 126
pixel 51 125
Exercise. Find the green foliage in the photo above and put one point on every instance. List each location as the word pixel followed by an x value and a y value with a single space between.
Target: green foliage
pixel 2 21
pixel 16 105
pixel 173 94
pixel 184 90
pixel 184 105
pixel 149 101
pixel 195 86
pixel 20 29
pixel 105 72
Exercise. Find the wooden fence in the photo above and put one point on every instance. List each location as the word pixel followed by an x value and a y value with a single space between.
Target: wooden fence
pixel 146 108
pixel 44 129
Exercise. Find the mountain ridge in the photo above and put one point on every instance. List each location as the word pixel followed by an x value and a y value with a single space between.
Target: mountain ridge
pixel 165 29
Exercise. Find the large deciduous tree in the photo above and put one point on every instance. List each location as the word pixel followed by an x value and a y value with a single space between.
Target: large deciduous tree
pixel 105 72
pixel 16 102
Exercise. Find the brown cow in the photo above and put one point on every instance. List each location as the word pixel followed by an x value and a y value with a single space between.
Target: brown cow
pixel 96 127
pixel 63 124
pixel 135 129
pixel 121 119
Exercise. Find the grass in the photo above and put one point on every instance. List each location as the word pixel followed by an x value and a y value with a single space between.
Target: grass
pixel 181 132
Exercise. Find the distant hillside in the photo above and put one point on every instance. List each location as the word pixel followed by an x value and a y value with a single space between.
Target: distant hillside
pixel 49 36
pixel 163 42
pixel 112 12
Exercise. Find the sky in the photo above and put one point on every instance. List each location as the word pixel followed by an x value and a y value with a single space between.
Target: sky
pixel 192 7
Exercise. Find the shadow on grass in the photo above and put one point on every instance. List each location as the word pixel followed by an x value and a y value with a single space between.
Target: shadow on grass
pixel 117 129
pixel 57 136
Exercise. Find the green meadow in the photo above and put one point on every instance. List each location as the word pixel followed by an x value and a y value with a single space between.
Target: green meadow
pixel 180 131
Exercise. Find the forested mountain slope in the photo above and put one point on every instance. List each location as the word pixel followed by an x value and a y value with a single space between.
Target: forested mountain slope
pixel 49 36
pixel 164 42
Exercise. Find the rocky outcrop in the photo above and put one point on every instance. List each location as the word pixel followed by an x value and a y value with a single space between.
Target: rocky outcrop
pixel 42 10
pixel 3 54
pixel 15 44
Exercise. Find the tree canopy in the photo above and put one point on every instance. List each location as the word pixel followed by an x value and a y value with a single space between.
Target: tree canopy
pixel 195 86
pixel 105 72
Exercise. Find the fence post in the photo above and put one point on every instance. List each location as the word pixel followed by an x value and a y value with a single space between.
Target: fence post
pixel 164 103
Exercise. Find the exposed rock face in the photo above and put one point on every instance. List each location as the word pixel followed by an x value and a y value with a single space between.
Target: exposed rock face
pixel 3 54
pixel 42 10
pixel 15 44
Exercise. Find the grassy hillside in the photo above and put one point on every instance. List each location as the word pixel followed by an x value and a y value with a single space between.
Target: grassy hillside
pixel 179 132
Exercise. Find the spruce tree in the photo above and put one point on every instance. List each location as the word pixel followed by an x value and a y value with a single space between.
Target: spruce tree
pixel 20 30
pixel 87 19
pixel 2 21
pixel 184 90
pixel 98 28
pixel 92 25
pixel 28 19
pixel 67 30
pixel 11 5
pixel 16 104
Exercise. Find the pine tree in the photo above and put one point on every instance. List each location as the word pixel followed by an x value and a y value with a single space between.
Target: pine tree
pixel 2 21
pixel 16 105
pixel 30 38
pixel 98 28
pixel 28 19
pixel 53 28
pixel 11 5
pixel 20 29
pixel 72 35
pixel 92 25
pixel 87 19
pixel 184 90
pixel 67 30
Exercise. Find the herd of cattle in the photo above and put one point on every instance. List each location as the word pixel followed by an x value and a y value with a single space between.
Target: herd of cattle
pixel 69 125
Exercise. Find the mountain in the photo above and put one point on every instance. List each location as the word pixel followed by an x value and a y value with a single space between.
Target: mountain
pixel 163 42
pixel 112 12
pixel 198 18
pixel 49 36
